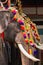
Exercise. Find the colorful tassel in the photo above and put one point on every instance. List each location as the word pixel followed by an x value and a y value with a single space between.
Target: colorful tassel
pixel 14 12
pixel 36 52
pixel 27 28
pixel 30 51
pixel 21 22
pixel 26 40
pixel 33 27
pixel 2 35
pixel 22 27
pixel 31 43
pixel 14 18
pixel 24 35
pixel 28 35
pixel 35 34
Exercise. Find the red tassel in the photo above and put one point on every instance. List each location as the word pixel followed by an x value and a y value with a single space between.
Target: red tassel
pixel 2 35
pixel 26 40
pixel 22 27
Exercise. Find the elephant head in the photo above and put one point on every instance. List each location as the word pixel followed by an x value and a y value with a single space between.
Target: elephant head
pixel 13 34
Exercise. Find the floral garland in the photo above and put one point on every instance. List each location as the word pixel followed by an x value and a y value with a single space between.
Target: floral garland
pixel 26 35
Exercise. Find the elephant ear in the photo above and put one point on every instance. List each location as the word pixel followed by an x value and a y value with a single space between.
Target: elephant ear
pixel 4 20
pixel 19 40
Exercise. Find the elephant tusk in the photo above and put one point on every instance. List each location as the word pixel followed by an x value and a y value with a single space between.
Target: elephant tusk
pixel 40 47
pixel 26 54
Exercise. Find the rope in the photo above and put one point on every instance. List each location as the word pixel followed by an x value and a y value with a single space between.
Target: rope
pixel 5 1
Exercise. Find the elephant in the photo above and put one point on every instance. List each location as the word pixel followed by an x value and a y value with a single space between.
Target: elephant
pixel 16 39
pixel 13 36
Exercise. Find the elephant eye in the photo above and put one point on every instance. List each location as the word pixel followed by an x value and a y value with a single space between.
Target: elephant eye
pixel 16 26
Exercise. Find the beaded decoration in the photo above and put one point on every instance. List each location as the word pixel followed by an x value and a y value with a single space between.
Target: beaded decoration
pixel 25 27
